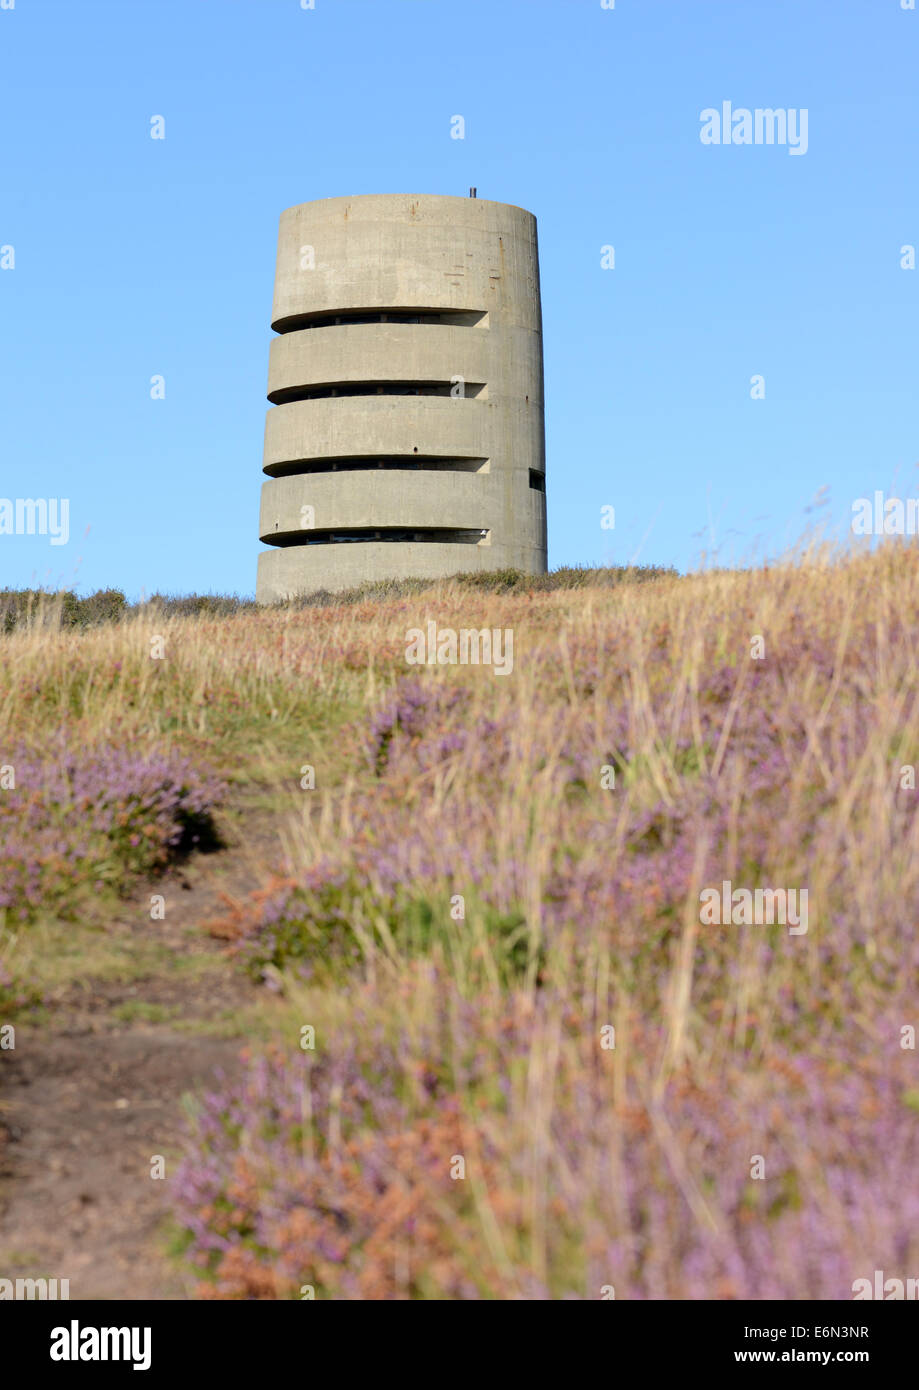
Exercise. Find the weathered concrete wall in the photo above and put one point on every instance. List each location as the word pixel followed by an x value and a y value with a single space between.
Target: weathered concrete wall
pixel 367 352
pixel 434 256
pixel 384 498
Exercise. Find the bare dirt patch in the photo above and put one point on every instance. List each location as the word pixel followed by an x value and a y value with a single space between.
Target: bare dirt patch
pixel 93 1090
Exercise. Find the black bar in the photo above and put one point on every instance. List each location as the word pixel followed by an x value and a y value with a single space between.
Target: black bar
pixel 269 1339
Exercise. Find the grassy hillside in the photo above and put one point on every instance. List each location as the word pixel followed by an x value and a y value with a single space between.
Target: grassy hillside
pixel 507 1053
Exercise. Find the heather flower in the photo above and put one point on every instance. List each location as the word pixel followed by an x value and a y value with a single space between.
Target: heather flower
pixel 104 813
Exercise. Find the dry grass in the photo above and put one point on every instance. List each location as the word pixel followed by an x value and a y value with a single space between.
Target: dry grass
pixel 483 1037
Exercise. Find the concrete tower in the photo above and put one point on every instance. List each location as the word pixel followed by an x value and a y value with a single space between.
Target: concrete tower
pixel 406 435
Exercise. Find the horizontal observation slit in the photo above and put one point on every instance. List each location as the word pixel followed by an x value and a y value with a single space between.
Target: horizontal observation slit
pixel 468 390
pixel 456 318
pixel 340 535
pixel 406 462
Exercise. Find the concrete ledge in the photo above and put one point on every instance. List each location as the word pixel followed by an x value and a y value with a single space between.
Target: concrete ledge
pixel 425 251
pixel 370 426
pixel 296 570
pixel 378 352
pixel 380 497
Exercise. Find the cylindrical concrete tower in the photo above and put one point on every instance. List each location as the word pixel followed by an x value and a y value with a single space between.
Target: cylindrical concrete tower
pixel 406 435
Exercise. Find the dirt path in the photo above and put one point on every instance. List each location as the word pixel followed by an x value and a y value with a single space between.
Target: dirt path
pixel 94 1091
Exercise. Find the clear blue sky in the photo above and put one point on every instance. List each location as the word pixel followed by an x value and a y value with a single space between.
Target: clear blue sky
pixel 136 257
